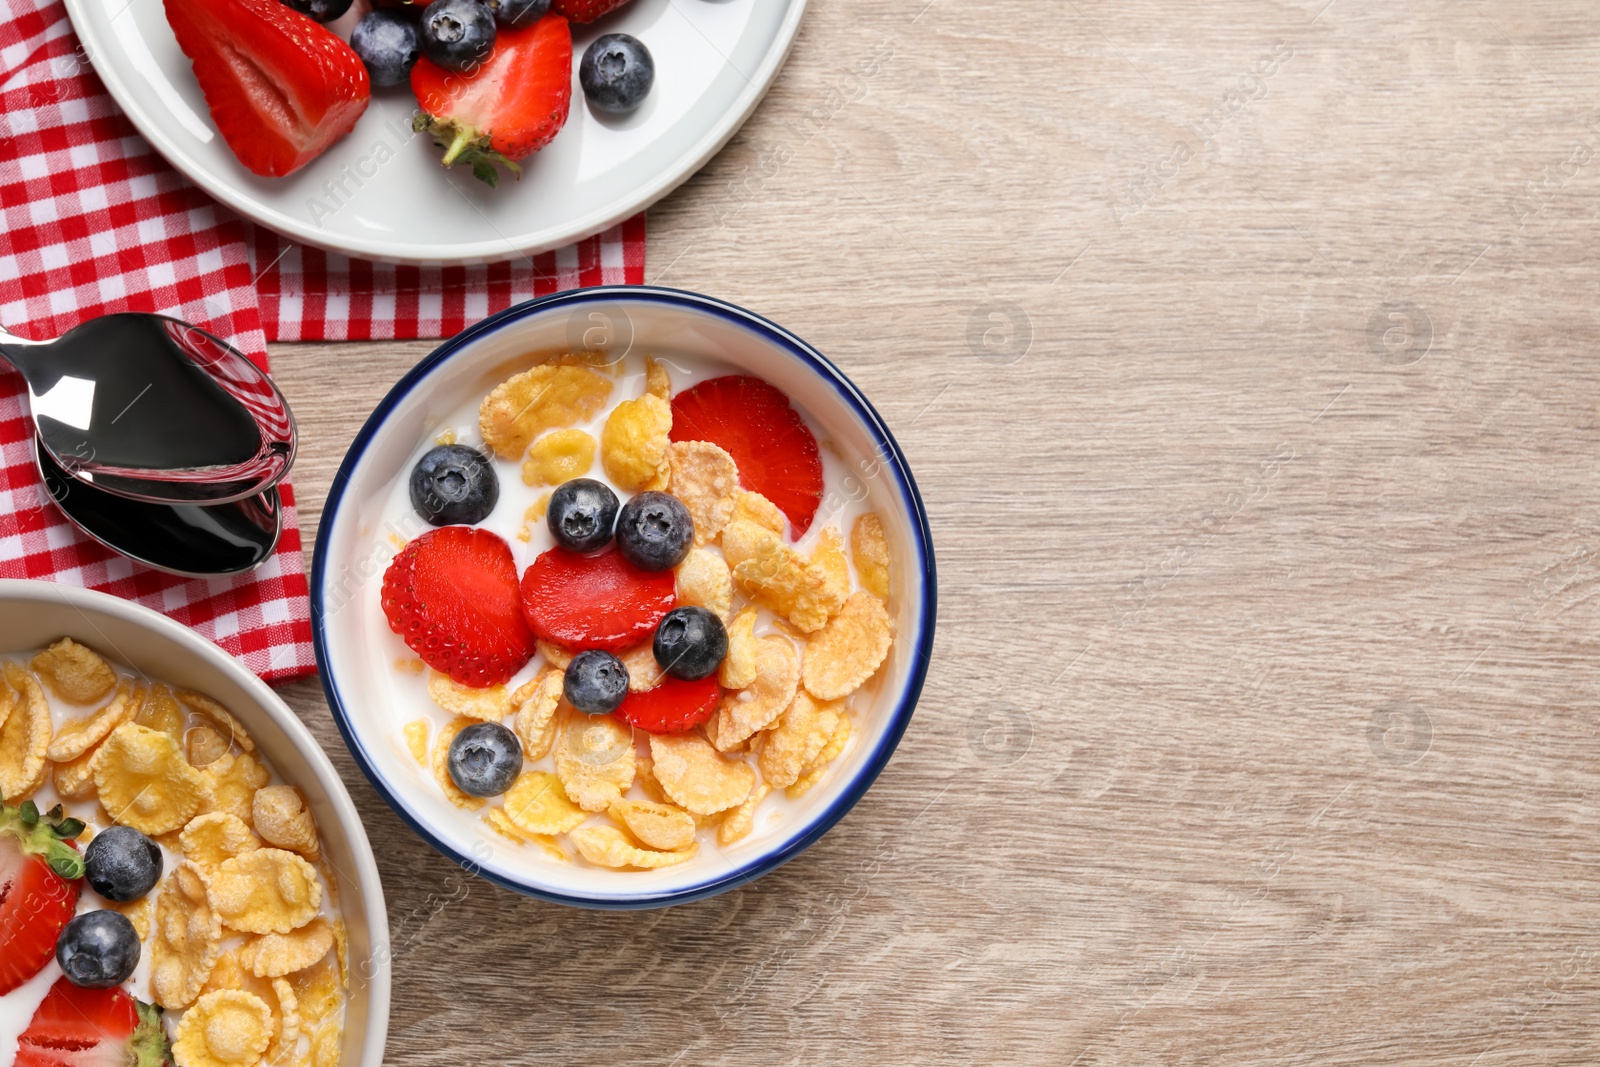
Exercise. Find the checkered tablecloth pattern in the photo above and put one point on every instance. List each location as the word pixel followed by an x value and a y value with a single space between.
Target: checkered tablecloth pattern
pixel 310 295
pixel 93 221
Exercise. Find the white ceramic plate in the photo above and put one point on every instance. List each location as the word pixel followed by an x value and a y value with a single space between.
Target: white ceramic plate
pixel 714 61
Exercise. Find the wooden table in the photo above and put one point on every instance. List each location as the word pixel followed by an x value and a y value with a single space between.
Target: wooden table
pixel 1244 353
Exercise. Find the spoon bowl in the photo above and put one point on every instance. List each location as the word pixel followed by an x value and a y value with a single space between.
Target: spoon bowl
pixel 189 540
pixel 152 409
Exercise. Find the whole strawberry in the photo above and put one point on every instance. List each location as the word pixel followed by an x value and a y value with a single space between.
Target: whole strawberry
pixel 585 10
pixel 506 108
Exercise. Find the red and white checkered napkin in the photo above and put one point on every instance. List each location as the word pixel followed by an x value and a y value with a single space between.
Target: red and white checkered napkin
pixel 310 295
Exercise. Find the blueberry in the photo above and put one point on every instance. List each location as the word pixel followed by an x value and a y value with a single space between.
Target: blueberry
pixel 319 10
pixel 616 73
pixel 582 514
pixel 515 14
pixel 485 758
pixel 457 34
pixel 98 949
pixel 595 682
pixel 654 531
pixel 122 864
pixel 690 643
pixel 453 485
pixel 386 41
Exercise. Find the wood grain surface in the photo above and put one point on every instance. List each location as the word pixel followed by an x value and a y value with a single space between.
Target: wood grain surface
pixel 1244 354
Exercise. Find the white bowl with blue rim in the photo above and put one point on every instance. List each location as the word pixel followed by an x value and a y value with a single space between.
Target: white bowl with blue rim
pixel 372 699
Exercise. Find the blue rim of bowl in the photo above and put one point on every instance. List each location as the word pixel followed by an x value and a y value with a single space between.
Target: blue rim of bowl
pixel 888 452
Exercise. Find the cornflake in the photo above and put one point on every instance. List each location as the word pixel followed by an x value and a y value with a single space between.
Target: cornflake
pixel 416 732
pixel 606 846
pixel 211 839
pixel 743 540
pixel 501 824
pixel 594 759
pixel 829 753
pixel 78 737
pixel 74 780
pixel 187 941
pixel 784 583
pixel 736 824
pixel 703 580
pixel 441 766
pixel 227 724
pixel 643 670
pixel 536 702
pixel 745 711
pixel 739 665
pixel 317 991
pixel 547 397
pixel 696 777
pixel 275 955
pixel 558 457
pixel 660 826
pixel 24 738
pixel 278 995
pixel 656 379
pixel 798 739
pixel 203 746
pixel 537 804
pixel 870 549
pixel 706 479
pixel 645 775
pixel 282 819
pixel 76 673
pixel 138 912
pixel 228 1028
pixel 849 650
pixel 757 509
pixel 633 445
pixel 145 782
pixel 778 576
pixel 161 711
pixel 268 891
pixel 233 782
pixel 554 655
pixel 828 560
pixel 489 704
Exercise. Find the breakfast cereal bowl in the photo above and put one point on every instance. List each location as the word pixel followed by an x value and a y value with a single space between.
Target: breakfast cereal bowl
pixel 617 346
pixel 142 694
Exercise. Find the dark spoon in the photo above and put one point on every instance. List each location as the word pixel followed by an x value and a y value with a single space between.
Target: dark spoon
pixel 153 409
pixel 185 539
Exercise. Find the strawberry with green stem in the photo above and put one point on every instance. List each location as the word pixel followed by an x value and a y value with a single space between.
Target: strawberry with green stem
pixel 41 875
pixel 506 109
pixel 75 1027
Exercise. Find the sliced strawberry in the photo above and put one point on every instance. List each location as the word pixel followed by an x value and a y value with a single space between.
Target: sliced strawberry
pixel 600 601
pixel 585 10
pixel 75 1027
pixel 505 110
pixel 753 422
pixel 281 88
pixel 41 874
pixel 673 706
pixel 452 596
